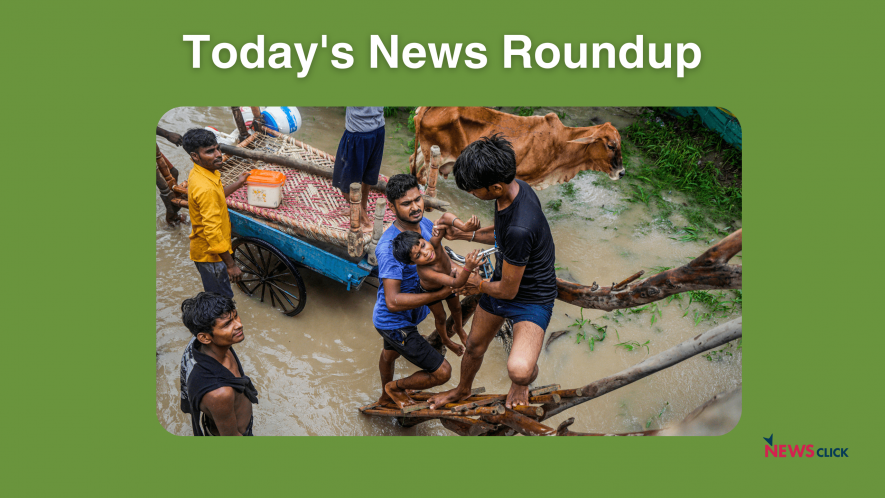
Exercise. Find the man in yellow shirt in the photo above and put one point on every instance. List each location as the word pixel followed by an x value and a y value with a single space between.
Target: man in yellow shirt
pixel 210 234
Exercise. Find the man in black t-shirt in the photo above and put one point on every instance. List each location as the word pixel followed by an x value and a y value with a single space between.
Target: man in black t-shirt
pixel 523 286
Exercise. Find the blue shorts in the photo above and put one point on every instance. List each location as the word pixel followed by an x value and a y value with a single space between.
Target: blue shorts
pixel 215 278
pixel 539 314
pixel 358 159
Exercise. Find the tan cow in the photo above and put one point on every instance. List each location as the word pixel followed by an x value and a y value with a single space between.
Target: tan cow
pixel 547 152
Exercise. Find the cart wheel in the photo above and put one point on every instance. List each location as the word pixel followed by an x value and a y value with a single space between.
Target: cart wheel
pixel 268 273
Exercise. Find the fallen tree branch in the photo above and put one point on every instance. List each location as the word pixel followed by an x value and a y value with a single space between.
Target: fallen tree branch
pixel 708 271
pixel 681 352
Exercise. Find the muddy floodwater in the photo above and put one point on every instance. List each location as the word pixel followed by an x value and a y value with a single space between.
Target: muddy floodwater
pixel 314 370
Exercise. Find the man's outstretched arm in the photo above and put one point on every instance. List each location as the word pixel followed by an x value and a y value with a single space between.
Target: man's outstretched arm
pixel 485 235
pixel 401 301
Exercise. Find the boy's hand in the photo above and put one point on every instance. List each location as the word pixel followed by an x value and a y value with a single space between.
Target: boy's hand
pixel 472 260
pixel 470 225
pixel 435 231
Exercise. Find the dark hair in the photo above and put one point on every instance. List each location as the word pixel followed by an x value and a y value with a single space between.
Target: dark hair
pixel 402 246
pixel 484 163
pixel 398 185
pixel 200 312
pixel 195 138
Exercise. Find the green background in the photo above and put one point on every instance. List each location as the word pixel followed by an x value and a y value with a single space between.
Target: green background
pixel 89 82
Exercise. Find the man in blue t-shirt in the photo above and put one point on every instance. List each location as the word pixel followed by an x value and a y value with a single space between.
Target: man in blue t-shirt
pixel 523 286
pixel 401 305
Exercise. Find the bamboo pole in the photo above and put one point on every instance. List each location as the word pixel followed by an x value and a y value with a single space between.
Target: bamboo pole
pixel 313 169
pixel 712 338
pixel 354 237
pixel 241 125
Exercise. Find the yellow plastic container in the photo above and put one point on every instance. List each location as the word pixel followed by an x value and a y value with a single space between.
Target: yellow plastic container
pixel 265 188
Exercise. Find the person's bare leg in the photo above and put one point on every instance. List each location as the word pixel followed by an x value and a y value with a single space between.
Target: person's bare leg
pixel 522 365
pixel 482 331
pixel 439 317
pixel 417 381
pixel 365 222
pixel 454 303
pixel 386 366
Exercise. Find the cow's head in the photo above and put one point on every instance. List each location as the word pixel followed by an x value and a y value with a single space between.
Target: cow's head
pixel 603 151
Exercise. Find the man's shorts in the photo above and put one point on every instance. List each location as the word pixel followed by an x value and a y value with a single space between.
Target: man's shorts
pixel 358 159
pixel 413 347
pixel 538 314
pixel 215 278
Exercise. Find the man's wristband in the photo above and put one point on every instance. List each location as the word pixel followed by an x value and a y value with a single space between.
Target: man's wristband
pixel 473 237
pixel 480 286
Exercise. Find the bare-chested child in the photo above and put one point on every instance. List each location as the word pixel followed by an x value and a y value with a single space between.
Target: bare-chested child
pixel 435 272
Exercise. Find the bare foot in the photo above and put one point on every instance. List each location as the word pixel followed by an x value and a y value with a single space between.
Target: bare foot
pixel 454 347
pixel 174 219
pixel 447 397
pixel 397 395
pixel 518 395
pixel 386 401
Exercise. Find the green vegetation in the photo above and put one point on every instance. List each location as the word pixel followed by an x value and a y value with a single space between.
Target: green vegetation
pixel 568 190
pixel 633 345
pixel 720 354
pixel 689 158
pixel 715 303
pixel 524 111
pixel 555 204
pixel 590 336
pixel 658 416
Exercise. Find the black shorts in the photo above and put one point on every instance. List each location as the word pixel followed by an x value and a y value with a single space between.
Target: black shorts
pixel 425 291
pixel 413 347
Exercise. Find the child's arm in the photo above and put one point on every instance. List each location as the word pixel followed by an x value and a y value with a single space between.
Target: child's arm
pixel 434 277
pixel 449 219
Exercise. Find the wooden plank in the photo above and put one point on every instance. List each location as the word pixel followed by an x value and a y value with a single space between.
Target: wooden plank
pixel 415 407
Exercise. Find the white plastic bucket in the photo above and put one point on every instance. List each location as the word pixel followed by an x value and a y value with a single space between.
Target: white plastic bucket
pixel 282 119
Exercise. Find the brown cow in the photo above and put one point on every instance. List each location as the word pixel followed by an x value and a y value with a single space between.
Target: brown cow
pixel 547 152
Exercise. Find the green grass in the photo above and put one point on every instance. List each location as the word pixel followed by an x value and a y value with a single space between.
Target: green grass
pixel 634 345
pixel 679 149
pixel 589 335
pixel 524 111
pixel 568 190
pixel 555 204
pixel 659 416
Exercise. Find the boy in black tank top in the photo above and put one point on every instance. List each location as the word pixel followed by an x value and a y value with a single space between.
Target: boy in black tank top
pixel 523 286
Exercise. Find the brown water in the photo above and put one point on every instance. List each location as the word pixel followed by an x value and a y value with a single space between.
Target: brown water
pixel 313 371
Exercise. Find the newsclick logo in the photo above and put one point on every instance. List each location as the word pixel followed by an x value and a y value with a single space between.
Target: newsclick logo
pixel 805 450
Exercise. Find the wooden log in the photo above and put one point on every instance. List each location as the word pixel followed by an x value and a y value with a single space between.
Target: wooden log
pixel 425 395
pixel 354 237
pixel 529 411
pixel 464 426
pixel 712 338
pixel 474 404
pixel 426 413
pixel 313 169
pixel 241 125
pixel 545 399
pixel 538 391
pixel 568 393
pixel 520 423
pixel 708 271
